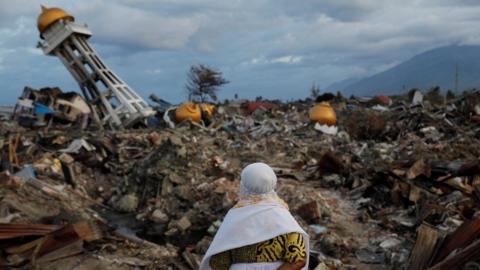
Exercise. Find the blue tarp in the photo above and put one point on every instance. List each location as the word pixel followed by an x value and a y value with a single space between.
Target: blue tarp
pixel 42 109
pixel 27 173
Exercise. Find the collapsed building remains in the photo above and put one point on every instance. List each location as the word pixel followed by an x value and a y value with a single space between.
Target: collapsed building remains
pixel 40 107
pixel 396 187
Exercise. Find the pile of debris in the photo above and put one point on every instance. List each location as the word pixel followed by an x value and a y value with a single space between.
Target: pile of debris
pixel 39 108
pixel 397 186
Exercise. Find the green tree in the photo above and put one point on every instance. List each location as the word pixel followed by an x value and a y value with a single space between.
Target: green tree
pixel 203 83
pixel 450 95
pixel 339 95
pixel 434 95
pixel 314 91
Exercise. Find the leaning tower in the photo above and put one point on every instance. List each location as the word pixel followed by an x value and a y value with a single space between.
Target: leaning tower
pixel 113 102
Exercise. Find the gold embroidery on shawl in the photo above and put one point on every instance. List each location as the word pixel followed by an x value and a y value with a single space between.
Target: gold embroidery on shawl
pixel 255 199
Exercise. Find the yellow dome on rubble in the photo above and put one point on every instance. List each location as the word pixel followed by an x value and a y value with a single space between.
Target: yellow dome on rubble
pixel 193 111
pixel 208 108
pixel 323 113
pixel 51 15
pixel 188 110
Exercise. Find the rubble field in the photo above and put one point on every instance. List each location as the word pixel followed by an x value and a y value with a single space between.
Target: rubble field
pixel 397 187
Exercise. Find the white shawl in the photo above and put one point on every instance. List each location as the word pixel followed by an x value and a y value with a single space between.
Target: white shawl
pixel 250 224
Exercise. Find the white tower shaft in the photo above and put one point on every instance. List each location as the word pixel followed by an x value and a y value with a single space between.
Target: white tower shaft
pixel 113 102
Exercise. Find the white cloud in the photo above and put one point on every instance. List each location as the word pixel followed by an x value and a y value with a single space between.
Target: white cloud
pixel 34 51
pixel 4 52
pixel 262 60
pixel 115 23
pixel 155 71
pixel 287 59
pixel 311 40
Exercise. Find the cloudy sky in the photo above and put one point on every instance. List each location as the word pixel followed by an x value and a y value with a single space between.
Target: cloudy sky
pixel 269 48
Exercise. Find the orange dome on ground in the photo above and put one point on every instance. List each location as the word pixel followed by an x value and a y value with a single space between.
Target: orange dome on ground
pixel 323 113
pixel 51 15
pixel 208 108
pixel 188 110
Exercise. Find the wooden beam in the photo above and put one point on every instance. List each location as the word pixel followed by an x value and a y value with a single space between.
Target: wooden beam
pixel 463 236
pixel 470 253
pixel 425 246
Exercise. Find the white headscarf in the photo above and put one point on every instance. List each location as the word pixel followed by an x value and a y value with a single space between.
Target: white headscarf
pixel 257 179
pixel 259 216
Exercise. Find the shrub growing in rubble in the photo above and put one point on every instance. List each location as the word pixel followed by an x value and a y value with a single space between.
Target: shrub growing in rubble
pixel 450 95
pixel 434 95
pixel 314 91
pixel 203 82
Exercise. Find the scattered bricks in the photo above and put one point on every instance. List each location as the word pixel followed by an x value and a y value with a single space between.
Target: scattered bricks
pixel 333 245
pixel 329 163
pixel 183 224
pixel 158 216
pixel 166 187
pixel 203 245
pixel 332 180
pixel 417 169
pixel 68 159
pixel 214 227
pixel 310 212
pixel 365 125
pixel 185 192
pixel 176 179
pixel 155 138
pixel 127 203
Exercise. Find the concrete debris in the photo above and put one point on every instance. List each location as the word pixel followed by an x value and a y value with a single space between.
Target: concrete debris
pixel 370 256
pixel 330 130
pixel 47 105
pixel 183 224
pixel 477 109
pixel 77 145
pixel 158 216
pixel 417 98
pixel 127 203
pixel 394 188
pixel 6 112
pixel 390 243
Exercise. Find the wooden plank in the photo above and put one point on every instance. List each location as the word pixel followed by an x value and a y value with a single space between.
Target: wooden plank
pixel 190 259
pixel 470 253
pixel 10 230
pixel 55 240
pixel 476 185
pixel 65 251
pixel 419 168
pixel 88 230
pixel 427 240
pixel 23 248
pixel 463 236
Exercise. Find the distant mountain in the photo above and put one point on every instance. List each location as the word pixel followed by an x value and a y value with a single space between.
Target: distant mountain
pixel 423 71
pixel 342 85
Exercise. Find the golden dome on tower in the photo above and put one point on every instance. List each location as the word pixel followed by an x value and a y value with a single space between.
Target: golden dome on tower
pixel 51 15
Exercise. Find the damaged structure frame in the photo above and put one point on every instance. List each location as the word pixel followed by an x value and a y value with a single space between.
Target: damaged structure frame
pixel 112 101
